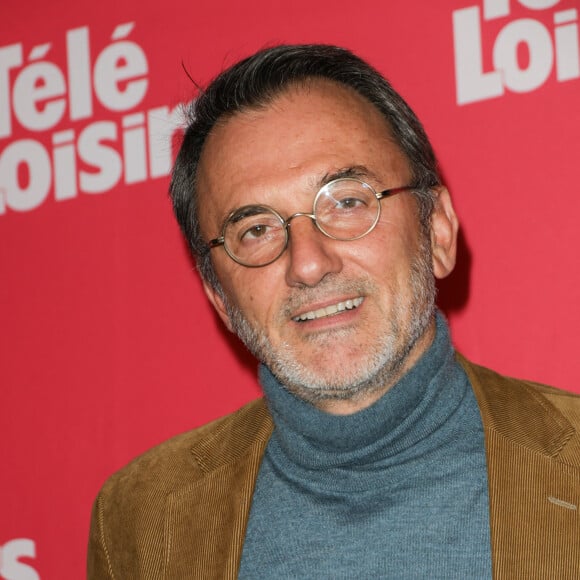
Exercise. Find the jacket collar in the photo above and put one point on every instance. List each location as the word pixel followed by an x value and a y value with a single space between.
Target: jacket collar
pixel 533 467
pixel 517 410
pixel 206 520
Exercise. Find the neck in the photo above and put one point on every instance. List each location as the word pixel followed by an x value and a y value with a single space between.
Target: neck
pixel 414 398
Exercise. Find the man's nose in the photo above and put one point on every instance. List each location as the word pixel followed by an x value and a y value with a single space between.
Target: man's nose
pixel 311 254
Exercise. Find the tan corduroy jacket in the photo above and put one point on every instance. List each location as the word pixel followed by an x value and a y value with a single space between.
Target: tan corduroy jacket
pixel 180 510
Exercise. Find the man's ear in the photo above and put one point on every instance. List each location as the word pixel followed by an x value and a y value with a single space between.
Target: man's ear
pixel 218 303
pixel 444 229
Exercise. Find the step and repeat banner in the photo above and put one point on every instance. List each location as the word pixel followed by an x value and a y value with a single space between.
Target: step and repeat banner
pixel 107 344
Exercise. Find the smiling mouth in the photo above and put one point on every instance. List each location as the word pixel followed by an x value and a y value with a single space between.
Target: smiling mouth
pixel 330 310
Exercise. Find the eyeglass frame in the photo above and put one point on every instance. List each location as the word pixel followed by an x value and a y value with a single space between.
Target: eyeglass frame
pixel 221 240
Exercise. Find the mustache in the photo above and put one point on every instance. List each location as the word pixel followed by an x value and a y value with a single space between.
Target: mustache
pixel 331 285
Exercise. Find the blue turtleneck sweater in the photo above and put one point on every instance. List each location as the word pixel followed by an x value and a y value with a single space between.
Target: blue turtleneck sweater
pixel 397 490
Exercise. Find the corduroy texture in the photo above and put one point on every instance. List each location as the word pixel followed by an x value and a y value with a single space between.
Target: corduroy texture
pixel 533 454
pixel 180 511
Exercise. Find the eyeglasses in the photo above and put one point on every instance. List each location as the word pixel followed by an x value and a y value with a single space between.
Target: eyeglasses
pixel 344 209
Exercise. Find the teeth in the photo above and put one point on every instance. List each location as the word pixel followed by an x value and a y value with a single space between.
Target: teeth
pixel 330 310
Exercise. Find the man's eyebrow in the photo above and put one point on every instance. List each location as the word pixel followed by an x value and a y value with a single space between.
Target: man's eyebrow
pixel 356 171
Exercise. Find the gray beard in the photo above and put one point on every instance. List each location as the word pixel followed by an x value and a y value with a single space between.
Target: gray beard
pixel 384 363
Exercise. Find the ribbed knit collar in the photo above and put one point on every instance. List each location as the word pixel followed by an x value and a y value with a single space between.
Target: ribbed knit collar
pixel 402 420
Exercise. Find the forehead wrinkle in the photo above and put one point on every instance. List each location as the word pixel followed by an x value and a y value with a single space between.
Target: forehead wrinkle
pixel 316 183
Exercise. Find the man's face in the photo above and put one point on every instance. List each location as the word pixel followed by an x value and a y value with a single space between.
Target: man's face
pixel 372 298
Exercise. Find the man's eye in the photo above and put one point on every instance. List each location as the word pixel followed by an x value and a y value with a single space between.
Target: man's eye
pixel 255 232
pixel 350 203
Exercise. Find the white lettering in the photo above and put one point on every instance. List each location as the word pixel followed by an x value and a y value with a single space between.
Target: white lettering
pixel 79 73
pixel 10 57
pixel 472 83
pixel 102 157
pixel 117 75
pixel 134 150
pixel 500 8
pixel 65 165
pixel 538 4
pixel 22 194
pixel 10 566
pixel 88 159
pixel 523 54
pixel 505 57
pixel 566 40
pixel 39 82
pixel 495 9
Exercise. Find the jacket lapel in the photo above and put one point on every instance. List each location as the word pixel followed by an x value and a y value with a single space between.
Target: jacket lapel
pixel 206 521
pixel 534 479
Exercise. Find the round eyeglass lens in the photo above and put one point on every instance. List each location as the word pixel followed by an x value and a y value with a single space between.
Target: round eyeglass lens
pixel 255 235
pixel 346 209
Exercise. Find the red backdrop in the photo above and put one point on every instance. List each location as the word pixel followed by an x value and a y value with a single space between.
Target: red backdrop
pixel 107 343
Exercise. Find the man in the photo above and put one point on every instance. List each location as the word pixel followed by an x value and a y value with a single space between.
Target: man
pixel 311 200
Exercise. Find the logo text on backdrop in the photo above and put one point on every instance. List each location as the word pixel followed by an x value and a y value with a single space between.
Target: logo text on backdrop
pixel 549 48
pixel 11 566
pixel 65 150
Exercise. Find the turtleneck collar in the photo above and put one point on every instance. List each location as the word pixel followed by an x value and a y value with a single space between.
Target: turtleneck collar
pixel 410 412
